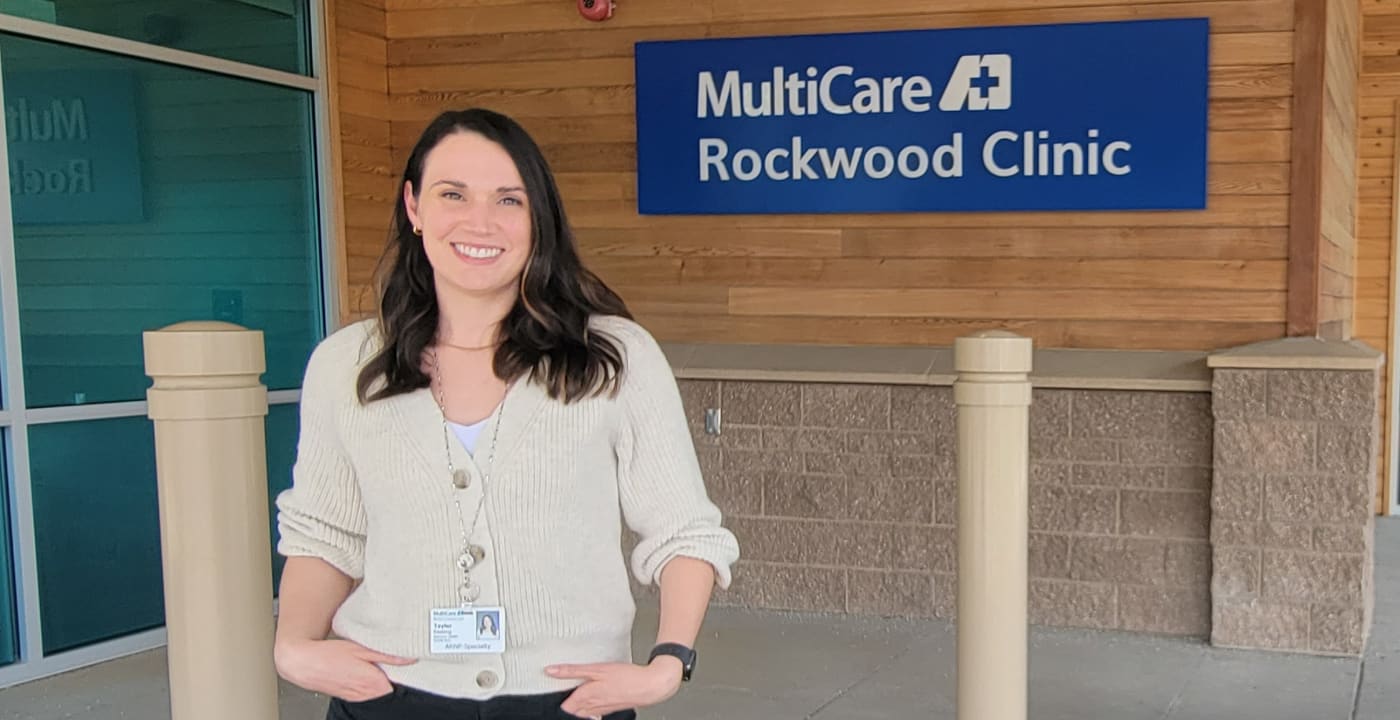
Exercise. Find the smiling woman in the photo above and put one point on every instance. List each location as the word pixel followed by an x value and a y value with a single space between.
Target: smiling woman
pixel 476 184
pixel 473 216
pixel 568 422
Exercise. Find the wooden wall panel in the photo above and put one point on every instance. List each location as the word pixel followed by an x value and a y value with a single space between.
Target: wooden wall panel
pixel 1379 94
pixel 1338 187
pixel 725 278
pixel 362 142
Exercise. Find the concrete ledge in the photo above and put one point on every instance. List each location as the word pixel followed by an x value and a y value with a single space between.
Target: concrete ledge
pixel 1302 353
pixel 1053 368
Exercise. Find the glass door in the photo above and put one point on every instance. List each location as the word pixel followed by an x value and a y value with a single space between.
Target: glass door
pixel 163 167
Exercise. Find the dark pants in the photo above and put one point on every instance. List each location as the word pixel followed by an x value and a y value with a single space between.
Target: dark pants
pixel 406 703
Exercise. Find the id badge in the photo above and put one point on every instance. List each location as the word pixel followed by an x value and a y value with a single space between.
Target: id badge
pixel 476 630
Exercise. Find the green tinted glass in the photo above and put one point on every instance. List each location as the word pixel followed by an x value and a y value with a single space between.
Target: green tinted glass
pixel 282 424
pixel 145 195
pixel 9 620
pixel 96 530
pixel 97 523
pixel 268 33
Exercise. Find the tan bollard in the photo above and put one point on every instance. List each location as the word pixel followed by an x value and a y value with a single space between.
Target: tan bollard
pixel 209 405
pixel 993 396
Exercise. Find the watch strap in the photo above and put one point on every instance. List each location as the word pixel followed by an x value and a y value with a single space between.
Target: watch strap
pixel 684 654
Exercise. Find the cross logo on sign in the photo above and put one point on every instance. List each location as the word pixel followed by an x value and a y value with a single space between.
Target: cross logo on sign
pixel 979 82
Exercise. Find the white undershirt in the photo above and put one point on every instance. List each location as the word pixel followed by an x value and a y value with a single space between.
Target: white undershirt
pixel 468 434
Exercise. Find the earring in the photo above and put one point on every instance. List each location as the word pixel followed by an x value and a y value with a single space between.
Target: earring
pixel 417 230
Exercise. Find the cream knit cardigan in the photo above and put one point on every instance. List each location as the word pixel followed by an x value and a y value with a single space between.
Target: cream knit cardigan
pixel 372 496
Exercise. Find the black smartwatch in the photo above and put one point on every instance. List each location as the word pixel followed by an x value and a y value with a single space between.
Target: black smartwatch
pixel 676 650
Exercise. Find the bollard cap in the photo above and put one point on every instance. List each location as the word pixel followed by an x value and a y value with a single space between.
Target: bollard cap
pixel 993 351
pixel 204 347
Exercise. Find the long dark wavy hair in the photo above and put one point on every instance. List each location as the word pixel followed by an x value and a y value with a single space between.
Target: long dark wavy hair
pixel 545 334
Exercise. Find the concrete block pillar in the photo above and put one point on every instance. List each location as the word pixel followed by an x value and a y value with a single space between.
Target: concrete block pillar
pixel 208 407
pixel 1297 437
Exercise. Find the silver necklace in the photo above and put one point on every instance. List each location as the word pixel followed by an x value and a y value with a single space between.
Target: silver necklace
pixel 471 554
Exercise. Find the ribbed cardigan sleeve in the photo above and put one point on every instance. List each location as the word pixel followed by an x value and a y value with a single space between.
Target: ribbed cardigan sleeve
pixel 662 491
pixel 320 515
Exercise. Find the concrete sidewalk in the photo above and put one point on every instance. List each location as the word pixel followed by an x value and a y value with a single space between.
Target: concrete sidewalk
pixel 1379 696
pixel 809 668
pixel 762 666
pixel 774 666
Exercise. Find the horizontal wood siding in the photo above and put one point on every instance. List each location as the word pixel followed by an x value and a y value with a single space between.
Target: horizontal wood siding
pixel 1136 280
pixel 1379 94
pixel 360 60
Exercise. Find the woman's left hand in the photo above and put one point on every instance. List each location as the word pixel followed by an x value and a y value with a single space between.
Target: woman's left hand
pixel 612 687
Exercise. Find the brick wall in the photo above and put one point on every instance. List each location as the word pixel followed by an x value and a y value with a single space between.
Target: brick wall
pixel 1120 510
pixel 844 500
pixel 1295 462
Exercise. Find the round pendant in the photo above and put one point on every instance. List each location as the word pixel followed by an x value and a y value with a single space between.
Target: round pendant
pixel 468 592
pixel 461 479
pixel 466 561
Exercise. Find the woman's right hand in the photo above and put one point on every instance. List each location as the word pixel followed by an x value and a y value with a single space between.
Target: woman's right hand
pixel 338 668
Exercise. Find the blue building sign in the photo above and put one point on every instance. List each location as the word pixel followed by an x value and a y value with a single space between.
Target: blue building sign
pixel 1085 116
pixel 73 149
